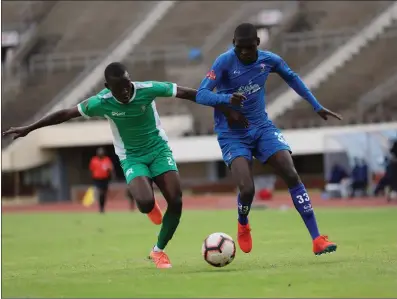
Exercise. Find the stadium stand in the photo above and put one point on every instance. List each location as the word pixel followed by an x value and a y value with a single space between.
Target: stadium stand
pixel 318 29
pixel 372 66
pixel 315 30
pixel 59 33
pixel 17 15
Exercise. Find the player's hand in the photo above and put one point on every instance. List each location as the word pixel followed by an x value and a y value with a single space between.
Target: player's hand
pixel 325 113
pixel 235 118
pixel 17 132
pixel 237 99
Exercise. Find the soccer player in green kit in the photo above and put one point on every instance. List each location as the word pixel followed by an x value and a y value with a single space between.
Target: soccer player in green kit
pixel 140 143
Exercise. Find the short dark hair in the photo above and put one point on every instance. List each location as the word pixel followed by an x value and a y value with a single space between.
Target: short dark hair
pixel 245 30
pixel 114 70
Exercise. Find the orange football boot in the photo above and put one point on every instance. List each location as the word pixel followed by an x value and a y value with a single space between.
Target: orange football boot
pixel 155 215
pixel 244 237
pixel 322 245
pixel 160 259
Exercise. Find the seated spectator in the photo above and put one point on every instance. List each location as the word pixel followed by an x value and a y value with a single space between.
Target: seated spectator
pixel 338 173
pixel 195 54
pixel 338 184
pixel 393 172
pixel 359 178
pixel 384 181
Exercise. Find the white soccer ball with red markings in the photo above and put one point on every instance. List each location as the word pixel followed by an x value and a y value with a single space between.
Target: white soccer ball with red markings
pixel 219 249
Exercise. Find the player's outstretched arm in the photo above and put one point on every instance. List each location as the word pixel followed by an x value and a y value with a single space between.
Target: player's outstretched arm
pixel 296 83
pixel 186 93
pixel 49 120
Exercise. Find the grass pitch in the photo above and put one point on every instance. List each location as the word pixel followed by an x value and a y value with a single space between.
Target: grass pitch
pixel 92 255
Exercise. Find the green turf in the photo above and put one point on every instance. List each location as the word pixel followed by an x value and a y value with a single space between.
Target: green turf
pixel 91 255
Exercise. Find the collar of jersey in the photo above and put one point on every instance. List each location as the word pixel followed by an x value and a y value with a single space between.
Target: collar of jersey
pixel 133 95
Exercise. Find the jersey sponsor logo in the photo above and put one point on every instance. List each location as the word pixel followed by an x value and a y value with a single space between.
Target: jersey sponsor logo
pixel 118 113
pixel 211 75
pixel 129 171
pixel 140 85
pixel 236 72
pixel 249 89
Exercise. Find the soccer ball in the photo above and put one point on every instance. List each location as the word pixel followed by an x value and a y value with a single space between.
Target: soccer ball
pixel 218 249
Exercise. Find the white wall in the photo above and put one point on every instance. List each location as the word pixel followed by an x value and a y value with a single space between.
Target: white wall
pixel 26 153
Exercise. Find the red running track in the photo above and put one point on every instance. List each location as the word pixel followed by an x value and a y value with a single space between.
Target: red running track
pixel 205 202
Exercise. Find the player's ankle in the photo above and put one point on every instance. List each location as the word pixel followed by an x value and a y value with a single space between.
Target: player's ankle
pixel 157 249
pixel 243 219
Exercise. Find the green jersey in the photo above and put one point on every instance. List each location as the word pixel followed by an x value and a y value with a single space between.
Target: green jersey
pixel 135 126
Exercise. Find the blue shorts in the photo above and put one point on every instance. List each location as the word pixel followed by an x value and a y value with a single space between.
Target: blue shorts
pixel 261 143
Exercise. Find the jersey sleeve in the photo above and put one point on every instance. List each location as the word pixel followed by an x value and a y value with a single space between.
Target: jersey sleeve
pixel 205 94
pixel 280 67
pixel 91 107
pixel 163 89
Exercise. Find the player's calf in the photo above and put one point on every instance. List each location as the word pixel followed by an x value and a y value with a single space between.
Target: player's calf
pixel 242 174
pixel 150 207
pixel 171 221
pixel 244 237
pixel 282 162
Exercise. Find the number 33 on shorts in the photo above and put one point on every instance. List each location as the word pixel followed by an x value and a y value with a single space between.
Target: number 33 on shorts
pixel 280 138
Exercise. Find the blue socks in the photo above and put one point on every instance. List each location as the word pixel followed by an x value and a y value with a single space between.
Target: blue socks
pixel 303 205
pixel 243 211
pixel 301 202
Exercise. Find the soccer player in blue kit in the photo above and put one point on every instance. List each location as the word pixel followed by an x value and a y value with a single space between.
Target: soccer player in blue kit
pixel 239 76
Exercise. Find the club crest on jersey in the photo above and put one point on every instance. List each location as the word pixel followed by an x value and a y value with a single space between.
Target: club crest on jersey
pixel 143 107
pixel 211 75
pixel 263 67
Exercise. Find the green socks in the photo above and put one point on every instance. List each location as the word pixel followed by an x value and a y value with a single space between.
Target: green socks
pixel 168 228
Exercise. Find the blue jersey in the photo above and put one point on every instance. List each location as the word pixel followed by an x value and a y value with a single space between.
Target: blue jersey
pixel 228 75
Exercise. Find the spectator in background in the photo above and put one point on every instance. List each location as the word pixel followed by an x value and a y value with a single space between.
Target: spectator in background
pixel 195 55
pixel 338 183
pixel 385 180
pixel 101 168
pixel 393 172
pixel 338 173
pixel 359 177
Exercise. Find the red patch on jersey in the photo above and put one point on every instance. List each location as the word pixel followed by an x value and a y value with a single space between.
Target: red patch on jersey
pixel 211 75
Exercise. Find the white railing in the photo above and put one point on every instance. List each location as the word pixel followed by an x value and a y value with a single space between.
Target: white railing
pixel 318 39
pixel 67 61
pixel 91 76
pixel 329 42
pixel 377 95
pixel 330 65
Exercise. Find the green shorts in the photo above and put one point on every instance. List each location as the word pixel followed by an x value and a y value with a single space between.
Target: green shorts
pixel 150 165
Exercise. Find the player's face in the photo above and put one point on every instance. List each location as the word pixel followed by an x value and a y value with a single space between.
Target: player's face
pixel 121 88
pixel 246 49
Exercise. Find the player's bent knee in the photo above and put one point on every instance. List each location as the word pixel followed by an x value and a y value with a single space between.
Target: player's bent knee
pixel 145 205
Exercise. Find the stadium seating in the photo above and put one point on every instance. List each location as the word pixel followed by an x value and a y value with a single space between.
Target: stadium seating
pixel 181 27
pixel 327 24
pixel 17 15
pixel 92 28
pixel 369 68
